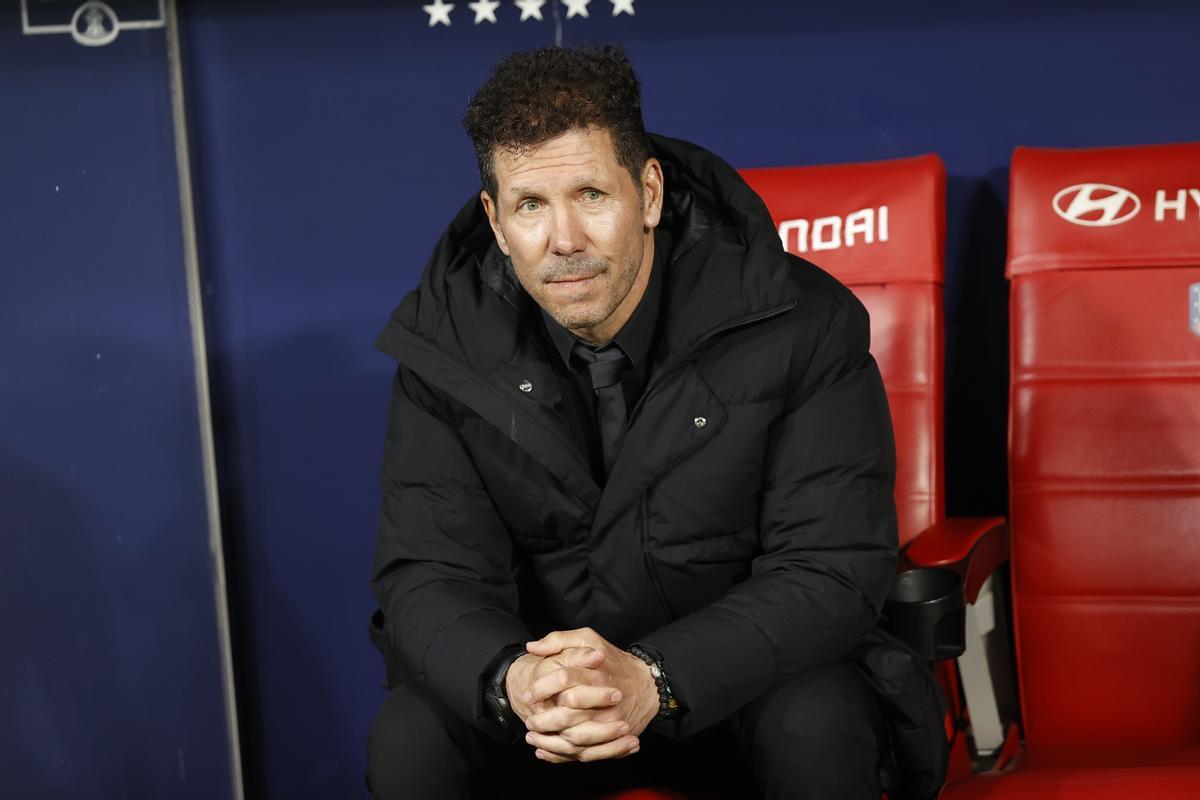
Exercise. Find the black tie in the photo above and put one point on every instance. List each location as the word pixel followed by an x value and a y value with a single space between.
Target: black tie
pixel 606 366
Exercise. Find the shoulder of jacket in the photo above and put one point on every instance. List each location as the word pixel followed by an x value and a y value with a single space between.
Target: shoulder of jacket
pixel 821 298
pixel 428 397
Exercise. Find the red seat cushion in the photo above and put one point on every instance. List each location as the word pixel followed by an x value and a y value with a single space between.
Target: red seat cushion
pixel 1126 756
pixel 1160 783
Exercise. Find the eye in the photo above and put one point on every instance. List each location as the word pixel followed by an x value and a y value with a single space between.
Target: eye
pixel 592 194
pixel 529 205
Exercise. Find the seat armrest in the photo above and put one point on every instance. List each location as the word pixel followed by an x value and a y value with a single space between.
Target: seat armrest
pixel 974 547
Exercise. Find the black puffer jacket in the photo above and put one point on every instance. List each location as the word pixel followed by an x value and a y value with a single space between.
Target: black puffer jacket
pixel 747 531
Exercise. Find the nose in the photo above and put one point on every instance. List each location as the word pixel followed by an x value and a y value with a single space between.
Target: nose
pixel 566 235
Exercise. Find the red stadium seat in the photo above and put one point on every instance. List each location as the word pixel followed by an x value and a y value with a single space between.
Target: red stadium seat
pixel 1104 260
pixel 879 228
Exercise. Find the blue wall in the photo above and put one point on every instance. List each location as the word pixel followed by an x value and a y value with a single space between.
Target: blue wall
pixel 328 155
pixel 110 670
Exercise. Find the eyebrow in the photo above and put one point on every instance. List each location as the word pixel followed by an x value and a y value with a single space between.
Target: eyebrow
pixel 591 180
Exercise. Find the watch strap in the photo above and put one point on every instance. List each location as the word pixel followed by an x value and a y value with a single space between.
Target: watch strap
pixel 495 690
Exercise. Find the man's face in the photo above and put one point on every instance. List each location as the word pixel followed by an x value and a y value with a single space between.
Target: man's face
pixel 579 233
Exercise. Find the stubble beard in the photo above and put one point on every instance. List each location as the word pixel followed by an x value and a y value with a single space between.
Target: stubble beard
pixel 576 316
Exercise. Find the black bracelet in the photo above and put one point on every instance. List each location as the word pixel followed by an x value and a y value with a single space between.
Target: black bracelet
pixel 668 706
pixel 495 694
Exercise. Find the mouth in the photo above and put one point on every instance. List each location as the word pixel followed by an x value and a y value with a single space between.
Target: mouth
pixel 574 282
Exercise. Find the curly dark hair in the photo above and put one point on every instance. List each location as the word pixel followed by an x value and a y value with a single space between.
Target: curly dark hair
pixel 536 95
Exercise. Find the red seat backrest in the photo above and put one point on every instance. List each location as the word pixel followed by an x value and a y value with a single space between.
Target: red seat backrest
pixel 879 228
pixel 1104 260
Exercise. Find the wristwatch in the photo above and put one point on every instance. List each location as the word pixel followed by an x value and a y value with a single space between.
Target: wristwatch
pixel 495 691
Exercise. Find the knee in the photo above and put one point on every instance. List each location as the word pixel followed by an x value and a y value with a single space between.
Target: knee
pixel 823 728
pixel 409 741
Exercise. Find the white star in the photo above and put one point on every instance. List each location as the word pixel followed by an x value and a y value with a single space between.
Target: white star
pixel 485 10
pixel 622 6
pixel 439 12
pixel 530 8
pixel 577 8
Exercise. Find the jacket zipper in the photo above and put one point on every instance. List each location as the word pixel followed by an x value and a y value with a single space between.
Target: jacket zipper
pixel 650 568
pixel 740 322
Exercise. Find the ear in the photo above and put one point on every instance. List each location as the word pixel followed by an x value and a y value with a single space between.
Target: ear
pixel 652 193
pixel 489 207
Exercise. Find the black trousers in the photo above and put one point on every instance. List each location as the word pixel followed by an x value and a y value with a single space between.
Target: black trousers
pixel 817 735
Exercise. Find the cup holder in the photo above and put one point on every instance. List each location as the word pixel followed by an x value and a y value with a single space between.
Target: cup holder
pixel 925 610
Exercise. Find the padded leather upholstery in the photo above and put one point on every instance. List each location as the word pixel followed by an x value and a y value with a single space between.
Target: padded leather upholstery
pixel 1105 453
pixel 879 228
pixel 1163 783
pixel 1105 473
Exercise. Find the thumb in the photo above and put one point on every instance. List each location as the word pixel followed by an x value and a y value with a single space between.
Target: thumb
pixel 587 657
pixel 557 641
pixel 549 645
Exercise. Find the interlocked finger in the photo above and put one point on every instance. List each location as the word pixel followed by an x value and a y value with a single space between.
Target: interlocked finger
pixel 588 733
pixel 559 718
pixel 618 747
pixel 585 697
pixel 566 678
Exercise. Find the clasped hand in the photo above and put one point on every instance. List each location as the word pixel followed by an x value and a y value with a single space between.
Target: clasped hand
pixel 582 698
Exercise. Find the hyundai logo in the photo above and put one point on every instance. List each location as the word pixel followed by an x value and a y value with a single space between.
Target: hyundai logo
pixel 1096 205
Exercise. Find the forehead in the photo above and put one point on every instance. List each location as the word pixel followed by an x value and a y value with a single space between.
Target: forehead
pixel 575 155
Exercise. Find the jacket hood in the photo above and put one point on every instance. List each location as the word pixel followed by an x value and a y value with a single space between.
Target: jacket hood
pixel 726 264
